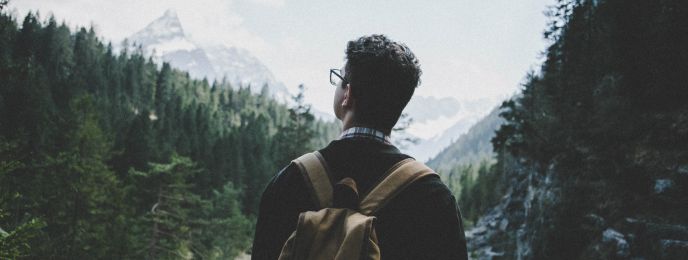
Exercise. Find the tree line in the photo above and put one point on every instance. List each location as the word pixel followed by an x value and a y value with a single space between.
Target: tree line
pixel 106 154
pixel 595 142
pixel 465 164
pixel 607 113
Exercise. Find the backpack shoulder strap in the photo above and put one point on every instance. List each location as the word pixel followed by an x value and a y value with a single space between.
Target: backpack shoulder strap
pixel 315 173
pixel 402 174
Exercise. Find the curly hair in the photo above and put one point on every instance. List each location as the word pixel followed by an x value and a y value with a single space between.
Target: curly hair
pixel 383 75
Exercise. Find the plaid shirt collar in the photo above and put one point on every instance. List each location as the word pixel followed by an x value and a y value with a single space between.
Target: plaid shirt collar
pixel 364 132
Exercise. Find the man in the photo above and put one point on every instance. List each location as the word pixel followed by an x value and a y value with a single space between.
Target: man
pixel 421 222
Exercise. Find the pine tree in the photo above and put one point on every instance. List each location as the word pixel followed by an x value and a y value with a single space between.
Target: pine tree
pixel 96 135
pixel 167 225
pixel 15 236
pixel 227 231
pixel 294 138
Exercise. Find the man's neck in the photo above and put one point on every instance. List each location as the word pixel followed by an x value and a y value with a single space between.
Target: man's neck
pixel 365 133
pixel 349 121
pixel 352 125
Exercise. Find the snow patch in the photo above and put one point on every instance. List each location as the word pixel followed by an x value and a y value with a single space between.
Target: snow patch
pixel 172 45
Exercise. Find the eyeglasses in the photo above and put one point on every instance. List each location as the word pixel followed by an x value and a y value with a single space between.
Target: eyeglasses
pixel 336 78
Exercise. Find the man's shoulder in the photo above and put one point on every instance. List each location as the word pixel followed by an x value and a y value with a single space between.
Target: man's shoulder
pixel 291 172
pixel 429 186
pixel 425 192
pixel 287 175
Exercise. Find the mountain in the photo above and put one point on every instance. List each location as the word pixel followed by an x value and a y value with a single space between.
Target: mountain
pixel 423 109
pixel 437 122
pixel 164 40
pixel 239 66
pixel 471 147
pixel 165 29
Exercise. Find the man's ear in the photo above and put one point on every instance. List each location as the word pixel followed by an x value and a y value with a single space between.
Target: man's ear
pixel 348 100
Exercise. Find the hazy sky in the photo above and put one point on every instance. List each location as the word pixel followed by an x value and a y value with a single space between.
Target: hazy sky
pixel 467 49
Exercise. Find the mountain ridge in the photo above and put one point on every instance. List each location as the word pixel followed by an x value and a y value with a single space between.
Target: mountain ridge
pixel 470 148
pixel 437 122
pixel 165 40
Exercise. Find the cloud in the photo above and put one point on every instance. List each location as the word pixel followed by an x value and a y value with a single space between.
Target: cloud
pixel 212 22
pixel 298 62
pixel 205 21
pixel 468 78
pixel 270 3
pixel 461 55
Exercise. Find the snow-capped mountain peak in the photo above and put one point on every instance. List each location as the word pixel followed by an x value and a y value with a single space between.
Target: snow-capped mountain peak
pixel 165 28
pixel 438 121
pixel 164 39
pixel 239 66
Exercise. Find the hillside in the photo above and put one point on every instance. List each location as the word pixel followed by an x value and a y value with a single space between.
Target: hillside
pixel 437 122
pixel 106 155
pixel 592 160
pixel 471 147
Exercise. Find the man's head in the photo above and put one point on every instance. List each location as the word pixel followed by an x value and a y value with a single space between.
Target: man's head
pixel 382 76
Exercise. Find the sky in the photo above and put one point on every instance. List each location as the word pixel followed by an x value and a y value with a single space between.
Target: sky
pixel 468 50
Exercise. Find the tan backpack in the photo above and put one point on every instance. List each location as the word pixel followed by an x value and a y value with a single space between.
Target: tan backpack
pixel 344 227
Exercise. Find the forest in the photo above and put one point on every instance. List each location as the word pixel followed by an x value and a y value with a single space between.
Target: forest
pixel 110 155
pixel 591 161
pixel 106 154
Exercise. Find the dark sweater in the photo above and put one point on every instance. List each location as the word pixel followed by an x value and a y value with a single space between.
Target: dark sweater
pixel 422 222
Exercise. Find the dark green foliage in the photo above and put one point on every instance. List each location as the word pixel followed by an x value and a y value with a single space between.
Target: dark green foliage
pixel 227 230
pixel 608 113
pixel 296 135
pixel 166 229
pixel 107 156
pixel 14 243
pixel 467 167
pixel 479 189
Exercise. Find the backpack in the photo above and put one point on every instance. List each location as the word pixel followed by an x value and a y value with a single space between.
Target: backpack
pixel 344 227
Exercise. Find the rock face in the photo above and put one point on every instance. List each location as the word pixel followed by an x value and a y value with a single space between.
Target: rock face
pixel 514 228
pixel 505 231
pixel 617 241
pixel 663 185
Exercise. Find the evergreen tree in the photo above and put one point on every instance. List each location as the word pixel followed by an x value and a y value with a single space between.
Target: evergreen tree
pixel 227 231
pixel 294 138
pixel 101 138
pixel 15 236
pixel 164 192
